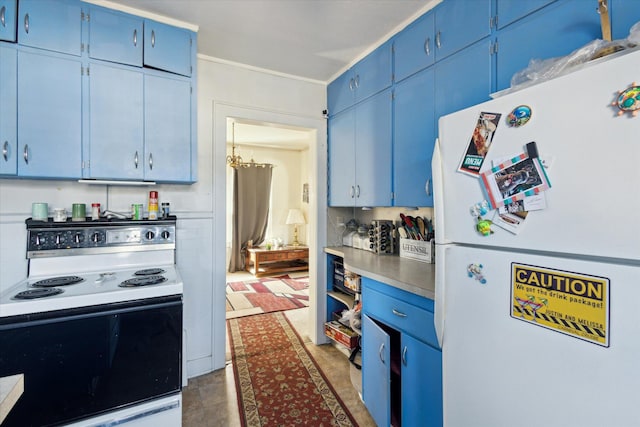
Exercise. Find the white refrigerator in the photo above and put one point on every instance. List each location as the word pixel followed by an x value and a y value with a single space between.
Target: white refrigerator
pixel 538 316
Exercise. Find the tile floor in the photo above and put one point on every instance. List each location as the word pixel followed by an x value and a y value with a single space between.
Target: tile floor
pixel 210 400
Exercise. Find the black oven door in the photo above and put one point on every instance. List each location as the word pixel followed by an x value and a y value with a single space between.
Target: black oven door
pixel 82 362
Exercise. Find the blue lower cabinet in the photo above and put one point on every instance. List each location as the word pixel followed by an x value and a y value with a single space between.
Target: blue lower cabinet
pixel 401 363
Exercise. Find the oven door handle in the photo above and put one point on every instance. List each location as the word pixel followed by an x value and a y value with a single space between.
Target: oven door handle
pixel 80 313
pixel 138 415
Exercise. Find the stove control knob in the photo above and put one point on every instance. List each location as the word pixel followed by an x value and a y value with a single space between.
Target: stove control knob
pixel 39 240
pixel 59 239
pixel 78 238
pixel 165 235
pixel 96 238
pixel 150 235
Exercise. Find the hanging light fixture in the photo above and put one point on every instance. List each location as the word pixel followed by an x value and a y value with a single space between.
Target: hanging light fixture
pixel 233 160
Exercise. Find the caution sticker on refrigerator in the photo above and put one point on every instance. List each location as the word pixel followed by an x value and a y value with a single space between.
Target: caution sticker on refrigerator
pixel 571 303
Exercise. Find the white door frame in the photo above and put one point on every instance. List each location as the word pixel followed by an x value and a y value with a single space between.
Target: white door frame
pixel 317 216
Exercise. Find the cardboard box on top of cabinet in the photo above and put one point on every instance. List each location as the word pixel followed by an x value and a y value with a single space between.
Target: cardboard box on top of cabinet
pixel 419 250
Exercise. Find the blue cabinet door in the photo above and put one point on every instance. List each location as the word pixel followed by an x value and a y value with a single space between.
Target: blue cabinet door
pixel 49 116
pixel 116 123
pixel 454 33
pixel 51 25
pixel 8 13
pixel 421 383
pixel 414 47
pixel 555 30
pixel 376 371
pixel 623 14
pixel 167 48
pixel 8 110
pixel 373 150
pixel 340 93
pixel 373 73
pixel 167 124
pixel 509 11
pixel 464 79
pixel 413 140
pixel 342 174
pixel 115 36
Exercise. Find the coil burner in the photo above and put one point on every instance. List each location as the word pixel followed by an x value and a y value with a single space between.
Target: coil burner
pixel 142 281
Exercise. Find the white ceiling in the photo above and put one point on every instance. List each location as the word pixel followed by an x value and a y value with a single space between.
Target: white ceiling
pixel 313 39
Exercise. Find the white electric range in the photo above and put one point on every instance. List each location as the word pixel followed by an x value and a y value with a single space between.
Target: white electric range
pixel 96 327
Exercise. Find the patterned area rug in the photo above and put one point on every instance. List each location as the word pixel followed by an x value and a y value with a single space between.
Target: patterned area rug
pixel 267 294
pixel 277 380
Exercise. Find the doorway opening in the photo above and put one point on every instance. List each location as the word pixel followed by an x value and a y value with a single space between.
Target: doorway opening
pixel 276 276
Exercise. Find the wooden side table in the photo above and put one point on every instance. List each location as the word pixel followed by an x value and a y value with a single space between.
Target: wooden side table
pixel 260 261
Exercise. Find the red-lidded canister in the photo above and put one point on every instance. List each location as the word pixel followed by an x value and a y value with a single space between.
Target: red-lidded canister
pixel 153 205
pixel 95 211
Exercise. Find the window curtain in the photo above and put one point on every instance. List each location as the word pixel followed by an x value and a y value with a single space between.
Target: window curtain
pixel 251 196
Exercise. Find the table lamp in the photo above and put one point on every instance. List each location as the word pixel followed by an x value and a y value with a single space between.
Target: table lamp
pixel 295 217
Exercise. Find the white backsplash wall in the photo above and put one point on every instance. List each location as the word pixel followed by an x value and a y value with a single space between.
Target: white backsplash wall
pixel 338 216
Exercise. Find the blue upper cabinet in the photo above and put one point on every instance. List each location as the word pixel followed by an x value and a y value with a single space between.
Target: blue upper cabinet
pixel 8 110
pixel 360 150
pixel 623 14
pixel 368 77
pixel 167 123
pixel 51 25
pixel 509 11
pixel 116 123
pixel 49 115
pixel 457 88
pixel 413 140
pixel 167 48
pixel 414 47
pixel 555 30
pixel 115 36
pixel 8 13
pixel 450 27
pixel 459 23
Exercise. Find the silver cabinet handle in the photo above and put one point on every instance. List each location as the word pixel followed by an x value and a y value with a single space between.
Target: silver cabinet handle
pixel 357 81
pixel 135 37
pixel 151 161
pixel 5 150
pixel 26 23
pixel 438 44
pixel 357 190
pixel 25 153
pixel 427 187
pixel 427 46
pixel 398 313
pixel 352 193
pixel 351 84
pixel 404 356
pixel 135 159
pixel 153 38
pixel 3 12
pixel 380 353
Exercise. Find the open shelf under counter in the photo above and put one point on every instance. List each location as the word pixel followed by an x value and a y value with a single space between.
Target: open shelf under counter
pixel 347 300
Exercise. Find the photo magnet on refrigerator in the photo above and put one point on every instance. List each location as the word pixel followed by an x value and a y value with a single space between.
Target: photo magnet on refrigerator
pixel 479 143
pixel 519 116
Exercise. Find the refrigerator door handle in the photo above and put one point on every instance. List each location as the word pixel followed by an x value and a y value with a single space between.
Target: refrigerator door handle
pixel 438 193
pixel 439 309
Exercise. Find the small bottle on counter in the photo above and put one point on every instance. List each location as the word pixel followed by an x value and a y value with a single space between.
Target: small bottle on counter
pixel 166 208
pixel 95 211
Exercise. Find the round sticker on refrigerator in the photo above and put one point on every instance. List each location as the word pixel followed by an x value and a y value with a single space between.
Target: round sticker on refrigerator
pixel 519 116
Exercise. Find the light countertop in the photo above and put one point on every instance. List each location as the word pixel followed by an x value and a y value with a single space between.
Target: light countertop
pixel 403 273
pixel 11 388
